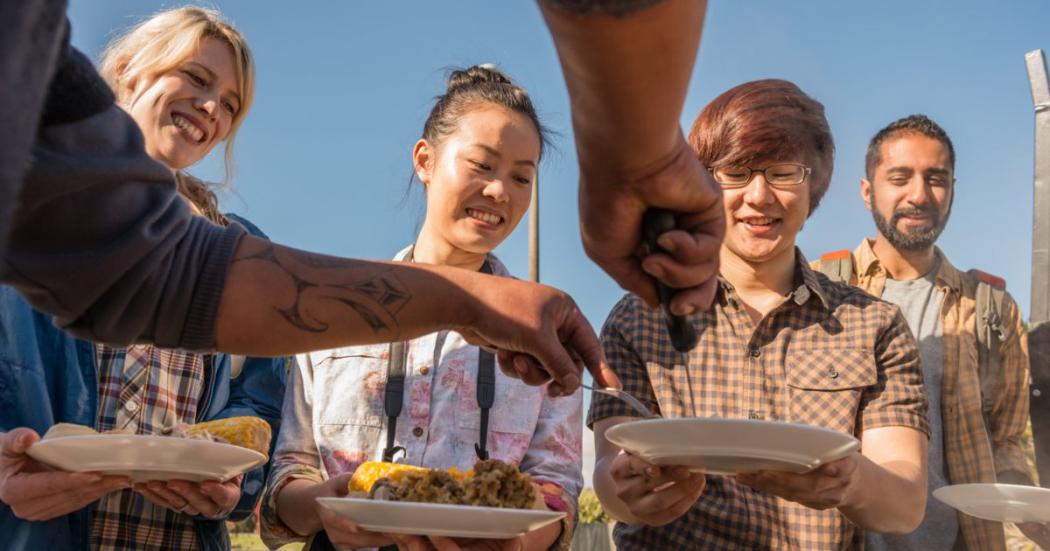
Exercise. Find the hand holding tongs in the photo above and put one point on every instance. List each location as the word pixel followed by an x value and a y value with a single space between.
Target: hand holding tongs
pixel 655 223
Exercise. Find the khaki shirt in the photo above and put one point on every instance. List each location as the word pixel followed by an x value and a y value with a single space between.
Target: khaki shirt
pixel 974 451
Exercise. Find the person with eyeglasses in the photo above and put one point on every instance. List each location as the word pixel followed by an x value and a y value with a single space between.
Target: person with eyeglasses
pixel 781 342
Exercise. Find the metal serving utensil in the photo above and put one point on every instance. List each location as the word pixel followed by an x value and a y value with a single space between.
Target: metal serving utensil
pixel 635 403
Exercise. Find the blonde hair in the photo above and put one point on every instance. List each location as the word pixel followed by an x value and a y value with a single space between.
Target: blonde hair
pixel 159 44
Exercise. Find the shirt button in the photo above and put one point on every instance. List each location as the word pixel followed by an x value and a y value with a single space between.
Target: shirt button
pixel 131 407
pixel 424 370
pixel 417 432
pixel 832 373
pixel 754 351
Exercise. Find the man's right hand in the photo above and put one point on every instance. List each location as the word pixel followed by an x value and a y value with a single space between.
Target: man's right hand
pixel 538 333
pixel 655 495
pixel 37 492
pixel 611 229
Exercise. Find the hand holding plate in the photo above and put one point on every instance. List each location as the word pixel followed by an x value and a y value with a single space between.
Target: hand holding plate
pixel 655 495
pixel 37 492
pixel 829 486
pixel 341 531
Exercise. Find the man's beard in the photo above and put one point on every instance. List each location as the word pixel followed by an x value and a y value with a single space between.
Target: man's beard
pixel 919 238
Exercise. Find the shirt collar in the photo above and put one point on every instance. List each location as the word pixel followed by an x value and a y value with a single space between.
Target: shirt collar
pixel 808 285
pixel 868 264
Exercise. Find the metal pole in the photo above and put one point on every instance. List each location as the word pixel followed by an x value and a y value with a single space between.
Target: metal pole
pixel 1039 320
pixel 534 231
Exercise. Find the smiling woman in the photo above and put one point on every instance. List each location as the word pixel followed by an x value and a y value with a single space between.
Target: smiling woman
pixel 188 79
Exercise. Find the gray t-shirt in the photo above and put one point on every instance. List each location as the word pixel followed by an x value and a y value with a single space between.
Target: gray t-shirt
pixel 920 302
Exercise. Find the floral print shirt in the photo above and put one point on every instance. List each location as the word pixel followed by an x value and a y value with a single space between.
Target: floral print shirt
pixel 333 420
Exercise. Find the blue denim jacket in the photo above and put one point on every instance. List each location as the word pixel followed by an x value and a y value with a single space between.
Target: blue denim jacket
pixel 48 377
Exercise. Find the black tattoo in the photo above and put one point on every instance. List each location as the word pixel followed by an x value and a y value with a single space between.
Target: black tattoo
pixel 615 8
pixel 377 300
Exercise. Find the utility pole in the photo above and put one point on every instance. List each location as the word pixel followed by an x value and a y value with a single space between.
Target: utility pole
pixel 534 231
pixel 1039 317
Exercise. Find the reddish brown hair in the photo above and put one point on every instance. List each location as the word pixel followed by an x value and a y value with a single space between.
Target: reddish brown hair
pixel 766 120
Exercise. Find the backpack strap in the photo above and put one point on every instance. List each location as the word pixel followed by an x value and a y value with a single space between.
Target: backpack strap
pixel 991 293
pixel 837 265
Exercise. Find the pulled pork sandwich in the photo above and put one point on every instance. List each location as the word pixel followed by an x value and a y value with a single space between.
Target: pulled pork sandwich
pixel 491 483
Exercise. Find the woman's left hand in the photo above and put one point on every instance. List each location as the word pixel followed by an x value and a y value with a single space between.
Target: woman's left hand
pixel 211 498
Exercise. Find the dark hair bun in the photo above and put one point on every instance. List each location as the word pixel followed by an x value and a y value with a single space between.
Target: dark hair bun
pixel 473 76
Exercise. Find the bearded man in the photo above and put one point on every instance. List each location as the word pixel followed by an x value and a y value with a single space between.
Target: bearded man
pixel 977 384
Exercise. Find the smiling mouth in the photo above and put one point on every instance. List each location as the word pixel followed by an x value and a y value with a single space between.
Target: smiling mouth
pixel 192 130
pixel 486 217
pixel 759 221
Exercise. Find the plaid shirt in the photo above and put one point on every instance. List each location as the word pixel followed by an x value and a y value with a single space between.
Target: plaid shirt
pixel 830 356
pixel 145 389
pixel 974 451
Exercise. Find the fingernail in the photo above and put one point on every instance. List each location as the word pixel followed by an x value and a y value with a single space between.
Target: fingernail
pixel 519 366
pixel 654 269
pixel 666 243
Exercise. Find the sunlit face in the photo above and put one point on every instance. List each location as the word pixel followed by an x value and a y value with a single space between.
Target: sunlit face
pixel 479 180
pixel 910 197
pixel 761 220
pixel 187 111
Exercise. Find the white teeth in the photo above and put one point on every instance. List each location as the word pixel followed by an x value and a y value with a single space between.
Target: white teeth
pixel 758 221
pixel 196 133
pixel 485 217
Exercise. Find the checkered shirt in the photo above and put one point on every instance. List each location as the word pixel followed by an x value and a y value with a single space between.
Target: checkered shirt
pixel 976 449
pixel 830 355
pixel 145 389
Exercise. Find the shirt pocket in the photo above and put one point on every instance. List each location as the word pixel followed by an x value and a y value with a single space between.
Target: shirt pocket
pixel 825 386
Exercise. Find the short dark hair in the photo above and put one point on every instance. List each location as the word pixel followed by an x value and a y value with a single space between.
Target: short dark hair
pixel 912 124
pixel 765 119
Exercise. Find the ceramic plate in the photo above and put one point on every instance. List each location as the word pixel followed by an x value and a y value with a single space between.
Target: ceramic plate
pixel 435 519
pixel 144 457
pixel 731 446
pixel 998 502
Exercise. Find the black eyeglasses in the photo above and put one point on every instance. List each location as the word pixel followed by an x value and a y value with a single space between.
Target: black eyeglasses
pixel 778 175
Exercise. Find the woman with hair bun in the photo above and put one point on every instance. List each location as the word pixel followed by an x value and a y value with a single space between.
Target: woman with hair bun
pixel 477 160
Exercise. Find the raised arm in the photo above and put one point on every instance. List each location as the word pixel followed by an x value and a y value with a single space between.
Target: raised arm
pixel 627 66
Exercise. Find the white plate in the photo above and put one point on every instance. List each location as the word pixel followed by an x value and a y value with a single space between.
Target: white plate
pixel 998 502
pixel 731 446
pixel 436 519
pixel 145 457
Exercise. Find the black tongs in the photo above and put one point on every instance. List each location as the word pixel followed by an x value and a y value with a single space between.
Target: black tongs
pixel 655 223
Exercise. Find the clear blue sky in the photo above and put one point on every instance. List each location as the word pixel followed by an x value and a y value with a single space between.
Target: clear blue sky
pixel 344 87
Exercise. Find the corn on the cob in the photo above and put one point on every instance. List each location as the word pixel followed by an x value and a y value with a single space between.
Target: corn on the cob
pixel 369 472
pixel 247 432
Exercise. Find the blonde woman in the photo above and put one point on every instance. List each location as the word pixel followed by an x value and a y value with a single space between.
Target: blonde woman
pixel 187 78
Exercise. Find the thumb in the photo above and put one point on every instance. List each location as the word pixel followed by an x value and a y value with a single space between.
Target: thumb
pixel 16 442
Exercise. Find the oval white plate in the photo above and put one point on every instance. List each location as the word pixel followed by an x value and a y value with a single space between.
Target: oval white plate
pixel 146 457
pixel 730 446
pixel 438 519
pixel 998 502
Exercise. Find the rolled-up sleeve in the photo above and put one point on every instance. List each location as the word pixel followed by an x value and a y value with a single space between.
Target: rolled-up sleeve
pixel 296 455
pixel 554 459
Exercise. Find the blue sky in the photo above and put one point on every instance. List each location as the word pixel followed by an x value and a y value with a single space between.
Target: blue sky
pixel 344 87
pixel 323 159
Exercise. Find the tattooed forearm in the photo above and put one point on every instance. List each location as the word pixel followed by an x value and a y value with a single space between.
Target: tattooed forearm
pixel 615 8
pixel 376 297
